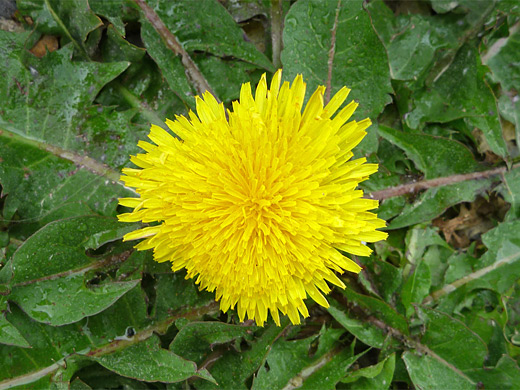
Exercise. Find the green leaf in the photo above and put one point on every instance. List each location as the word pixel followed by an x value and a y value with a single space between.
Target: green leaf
pixel 196 339
pixel 127 316
pixel 355 317
pixel 452 340
pixel 50 281
pixel 427 372
pixel 500 265
pixel 121 323
pixel 233 369
pixel 116 12
pixel 49 346
pixel 435 201
pixel 412 41
pixel 59 302
pixel 383 278
pixel 496 270
pixel 169 63
pixel 424 244
pixel 485 315
pixel 59 247
pixel 147 361
pixel 359 61
pixel 192 21
pixel 225 75
pixel 505 375
pixel 231 60
pixel 449 157
pixel 442 6
pixel 418 239
pixel 510 190
pixel 72 19
pixel 503 59
pixel 377 377
pixel 461 92
pixel 112 135
pixel 416 287
pixel 10 335
pixel 78 384
pixel 69 121
pixel 367 333
pixel 42 96
pixel 328 371
pixel 50 93
pixel 378 309
pixel 509 107
pixel 174 292
pixel 291 364
pixel 41 187
pixel 116 48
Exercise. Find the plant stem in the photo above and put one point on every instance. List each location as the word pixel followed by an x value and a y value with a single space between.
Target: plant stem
pixel 197 78
pixel 438 182
pixel 276 31
pixel 332 52
pixel 81 161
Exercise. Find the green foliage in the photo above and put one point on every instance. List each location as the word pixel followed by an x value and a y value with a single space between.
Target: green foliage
pixel 437 305
pixel 359 60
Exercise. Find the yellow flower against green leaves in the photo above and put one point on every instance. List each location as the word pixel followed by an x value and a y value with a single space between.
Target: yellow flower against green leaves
pixel 257 205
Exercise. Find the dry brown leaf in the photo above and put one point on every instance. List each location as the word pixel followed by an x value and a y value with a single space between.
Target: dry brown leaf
pixel 471 222
pixel 46 43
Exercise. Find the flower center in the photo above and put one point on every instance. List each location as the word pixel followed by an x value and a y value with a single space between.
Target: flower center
pixel 258 204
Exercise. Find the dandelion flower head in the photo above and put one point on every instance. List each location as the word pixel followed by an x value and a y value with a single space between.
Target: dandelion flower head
pixel 258 205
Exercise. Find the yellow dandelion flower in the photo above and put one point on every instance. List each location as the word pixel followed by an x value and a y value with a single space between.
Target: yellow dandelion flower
pixel 258 204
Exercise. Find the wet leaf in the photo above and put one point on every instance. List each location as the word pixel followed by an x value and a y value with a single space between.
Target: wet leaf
pixel 147 361
pixel 451 340
pixel 359 61
pixel 435 201
pixel 292 365
pixel 367 333
pixel 377 377
pixel 378 309
pixel 50 282
pixel 84 80
pixel 50 93
pixel 195 339
pixel 385 278
pixel 44 171
pixel 49 345
pixel 416 287
pixel 116 48
pixel 412 41
pixel 505 62
pixel 427 372
pixel 72 19
pixel 40 187
pixel 228 50
pixel 117 322
pixel 116 12
pixel 169 63
pixel 190 21
pixel 505 375
pixel 449 157
pixel 174 292
pixel 233 369
pixel 461 92
pixel 10 335
pixel 510 189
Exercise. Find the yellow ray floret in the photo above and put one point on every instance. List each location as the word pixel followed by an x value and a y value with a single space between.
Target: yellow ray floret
pixel 256 205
